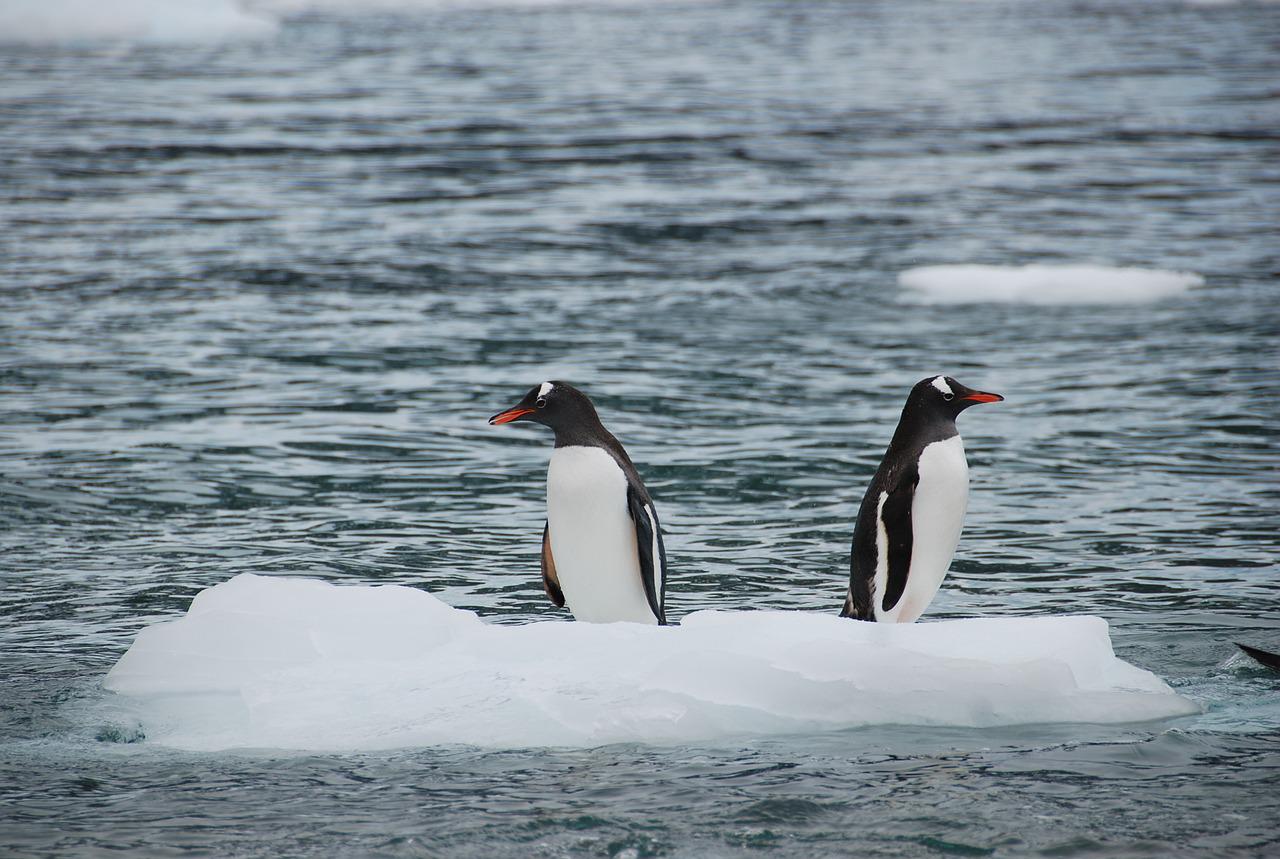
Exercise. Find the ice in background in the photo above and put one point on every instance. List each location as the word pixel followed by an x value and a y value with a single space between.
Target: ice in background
pixel 162 21
pixel 1044 284
pixel 192 21
pixel 265 662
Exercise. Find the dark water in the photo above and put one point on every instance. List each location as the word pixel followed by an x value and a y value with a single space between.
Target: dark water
pixel 258 298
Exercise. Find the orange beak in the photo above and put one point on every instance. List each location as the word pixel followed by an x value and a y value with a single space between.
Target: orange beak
pixel 509 415
pixel 980 397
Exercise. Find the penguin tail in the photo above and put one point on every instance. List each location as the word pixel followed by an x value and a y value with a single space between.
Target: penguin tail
pixel 850 610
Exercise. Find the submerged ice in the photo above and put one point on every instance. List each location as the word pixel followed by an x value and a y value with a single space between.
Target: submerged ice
pixel 1043 284
pixel 267 662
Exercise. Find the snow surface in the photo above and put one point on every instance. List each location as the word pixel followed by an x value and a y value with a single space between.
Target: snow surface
pixel 1043 284
pixel 287 663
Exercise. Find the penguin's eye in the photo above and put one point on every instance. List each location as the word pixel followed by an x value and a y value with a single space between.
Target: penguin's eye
pixel 541 403
pixel 948 396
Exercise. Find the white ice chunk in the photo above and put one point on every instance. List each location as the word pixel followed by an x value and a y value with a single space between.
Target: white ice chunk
pixel 185 21
pixel 130 20
pixel 1043 284
pixel 269 662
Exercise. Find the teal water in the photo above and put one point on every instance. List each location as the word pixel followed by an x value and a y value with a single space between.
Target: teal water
pixel 260 296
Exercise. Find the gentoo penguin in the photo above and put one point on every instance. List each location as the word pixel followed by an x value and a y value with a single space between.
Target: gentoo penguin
pixel 910 518
pixel 602 550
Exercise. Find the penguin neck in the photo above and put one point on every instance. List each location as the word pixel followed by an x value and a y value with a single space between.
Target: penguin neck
pixel 919 427
pixel 585 433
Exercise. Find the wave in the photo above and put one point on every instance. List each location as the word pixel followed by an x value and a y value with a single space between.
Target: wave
pixel 273 662
pixel 1043 284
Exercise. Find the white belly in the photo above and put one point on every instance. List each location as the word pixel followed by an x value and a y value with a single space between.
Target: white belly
pixel 937 517
pixel 593 538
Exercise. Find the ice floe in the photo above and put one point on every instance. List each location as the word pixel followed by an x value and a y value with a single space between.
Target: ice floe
pixel 287 663
pixel 184 21
pixel 1043 284
pixel 44 21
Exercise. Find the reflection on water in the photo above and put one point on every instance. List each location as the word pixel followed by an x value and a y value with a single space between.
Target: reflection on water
pixel 260 296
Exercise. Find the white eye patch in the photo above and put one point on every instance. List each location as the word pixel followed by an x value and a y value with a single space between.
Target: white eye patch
pixel 940 383
pixel 545 389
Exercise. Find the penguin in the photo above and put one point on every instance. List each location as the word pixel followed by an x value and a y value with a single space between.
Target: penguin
pixel 913 511
pixel 602 551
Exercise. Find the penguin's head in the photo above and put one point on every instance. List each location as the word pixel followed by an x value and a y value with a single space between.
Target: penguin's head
pixel 944 395
pixel 552 404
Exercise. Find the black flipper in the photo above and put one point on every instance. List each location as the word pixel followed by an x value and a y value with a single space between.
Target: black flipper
pixel 896 515
pixel 550 583
pixel 1271 660
pixel 899 488
pixel 653 571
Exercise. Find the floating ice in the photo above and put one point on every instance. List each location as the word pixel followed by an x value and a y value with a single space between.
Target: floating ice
pixel 129 20
pixel 267 662
pixel 53 21
pixel 1044 284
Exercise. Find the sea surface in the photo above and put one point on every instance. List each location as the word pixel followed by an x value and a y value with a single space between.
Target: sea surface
pixel 259 294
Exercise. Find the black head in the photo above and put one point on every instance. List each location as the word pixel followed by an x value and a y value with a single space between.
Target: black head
pixel 553 404
pixel 943 396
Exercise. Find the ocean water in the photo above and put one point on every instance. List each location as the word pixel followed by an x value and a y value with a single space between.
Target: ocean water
pixel 261 284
